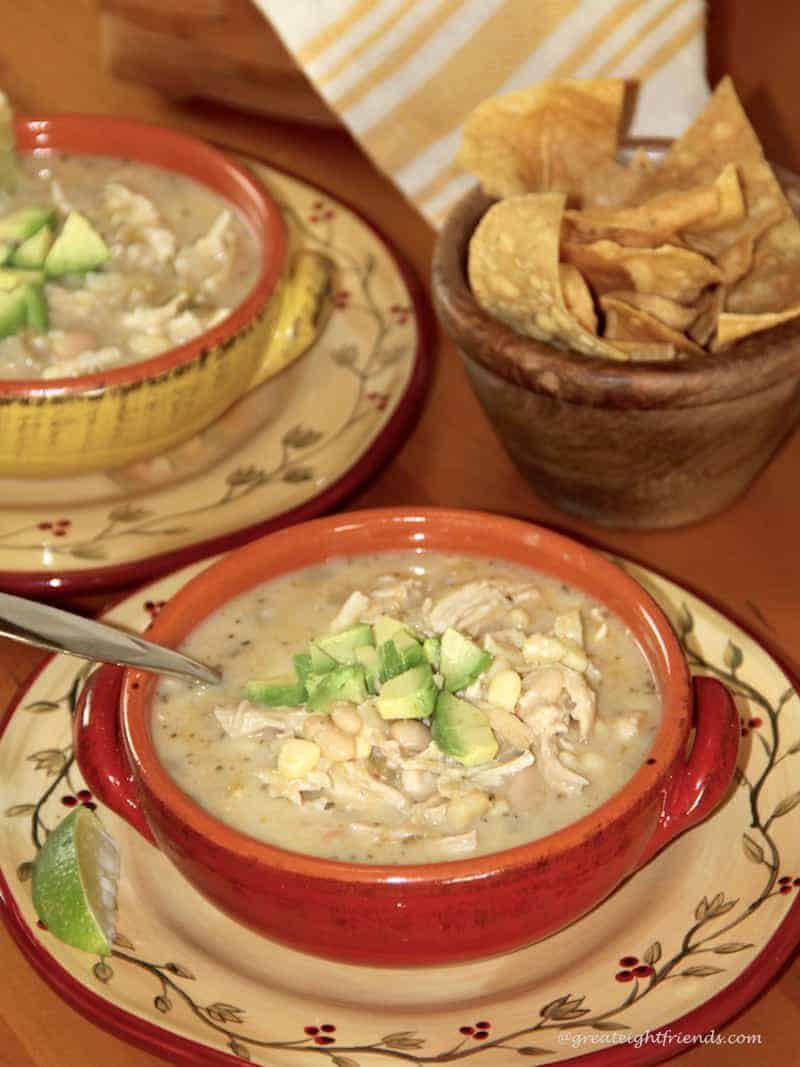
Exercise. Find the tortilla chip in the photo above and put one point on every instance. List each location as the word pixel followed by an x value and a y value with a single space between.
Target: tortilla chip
pixel 513 271
pixel 544 139
pixel 676 273
pixel 627 323
pixel 772 284
pixel 723 135
pixel 720 136
pixel 670 312
pixel 647 351
pixel 577 297
pixel 731 328
pixel 708 309
pixel 651 223
pixel 730 203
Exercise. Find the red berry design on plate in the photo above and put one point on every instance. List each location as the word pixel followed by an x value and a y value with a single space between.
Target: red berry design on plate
pixel 321 1034
pixel 754 724
pixel 341 298
pixel 379 400
pixel 632 968
pixel 152 607
pixel 478 1031
pixel 59 527
pixel 400 313
pixel 69 801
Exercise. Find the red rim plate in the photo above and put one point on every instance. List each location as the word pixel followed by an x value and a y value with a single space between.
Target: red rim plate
pixel 665 1042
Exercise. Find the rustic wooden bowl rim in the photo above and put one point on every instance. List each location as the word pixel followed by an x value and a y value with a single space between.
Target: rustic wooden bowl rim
pixel 749 366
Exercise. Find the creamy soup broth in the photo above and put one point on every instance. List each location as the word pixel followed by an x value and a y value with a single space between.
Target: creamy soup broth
pixel 590 724
pixel 181 260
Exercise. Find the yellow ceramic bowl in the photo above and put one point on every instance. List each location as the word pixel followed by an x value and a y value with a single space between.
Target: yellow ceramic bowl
pixel 66 426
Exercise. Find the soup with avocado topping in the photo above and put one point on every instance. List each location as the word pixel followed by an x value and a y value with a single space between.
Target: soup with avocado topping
pixel 106 262
pixel 408 708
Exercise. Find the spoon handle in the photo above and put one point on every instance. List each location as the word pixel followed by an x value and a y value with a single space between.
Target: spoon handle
pixel 61 631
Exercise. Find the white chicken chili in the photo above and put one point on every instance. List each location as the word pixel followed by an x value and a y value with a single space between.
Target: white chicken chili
pixel 106 262
pixel 408 708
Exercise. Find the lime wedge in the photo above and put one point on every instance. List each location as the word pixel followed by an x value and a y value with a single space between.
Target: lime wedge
pixel 75 883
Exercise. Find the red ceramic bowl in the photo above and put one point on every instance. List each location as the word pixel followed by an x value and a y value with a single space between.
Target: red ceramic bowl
pixel 421 914
pixel 64 426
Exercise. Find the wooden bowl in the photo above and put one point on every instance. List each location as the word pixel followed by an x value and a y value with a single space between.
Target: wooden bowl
pixel 620 444
pixel 437 913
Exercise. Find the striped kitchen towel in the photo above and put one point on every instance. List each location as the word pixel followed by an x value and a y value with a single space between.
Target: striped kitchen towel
pixel 404 74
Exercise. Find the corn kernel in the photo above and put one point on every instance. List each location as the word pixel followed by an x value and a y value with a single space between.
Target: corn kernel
pixel 504 690
pixel 297 757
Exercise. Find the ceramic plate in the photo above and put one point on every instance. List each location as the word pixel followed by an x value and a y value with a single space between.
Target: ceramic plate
pixel 685 944
pixel 288 451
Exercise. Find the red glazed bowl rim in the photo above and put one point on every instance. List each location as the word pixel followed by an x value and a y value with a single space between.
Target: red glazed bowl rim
pixel 408 528
pixel 749 366
pixel 148 143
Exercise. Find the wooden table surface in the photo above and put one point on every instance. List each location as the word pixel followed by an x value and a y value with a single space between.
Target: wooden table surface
pixel 745 559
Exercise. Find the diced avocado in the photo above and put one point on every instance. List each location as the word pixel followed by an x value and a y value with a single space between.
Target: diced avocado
pixel 13 311
pixel 36 308
pixel 386 627
pixel 463 731
pixel 78 247
pixel 342 646
pixel 409 648
pixel 461 660
pixel 390 661
pixel 22 224
pixel 276 692
pixel 302 666
pixel 33 252
pixel 367 656
pixel 432 650
pixel 11 277
pixel 410 695
pixel 320 661
pixel 342 683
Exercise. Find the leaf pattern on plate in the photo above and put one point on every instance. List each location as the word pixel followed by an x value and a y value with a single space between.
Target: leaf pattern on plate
pixel 681 956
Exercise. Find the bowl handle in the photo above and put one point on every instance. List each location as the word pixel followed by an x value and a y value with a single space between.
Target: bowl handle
pixel 100 750
pixel 701 782
pixel 300 309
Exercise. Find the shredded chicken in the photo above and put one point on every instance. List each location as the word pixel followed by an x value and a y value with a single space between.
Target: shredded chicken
pixel 350 612
pixel 509 727
pixel 468 607
pixel 206 264
pixel 548 724
pixel 128 208
pixel 549 685
pixel 352 784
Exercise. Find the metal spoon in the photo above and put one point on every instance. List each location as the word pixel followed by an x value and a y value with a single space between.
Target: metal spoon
pixel 61 631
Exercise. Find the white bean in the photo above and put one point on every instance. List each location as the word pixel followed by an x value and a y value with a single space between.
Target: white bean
pixel 418 785
pixel 519 617
pixel 313 724
pixel 410 734
pixel 336 745
pixel 346 717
